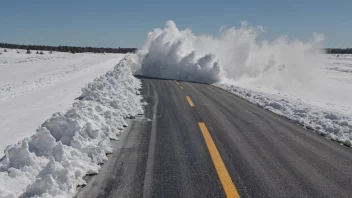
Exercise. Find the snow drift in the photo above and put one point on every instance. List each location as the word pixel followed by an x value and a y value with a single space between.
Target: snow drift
pixel 236 53
pixel 34 86
pixel 331 124
pixel 70 145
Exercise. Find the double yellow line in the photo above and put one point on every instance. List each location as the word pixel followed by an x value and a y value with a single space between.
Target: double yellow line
pixel 224 176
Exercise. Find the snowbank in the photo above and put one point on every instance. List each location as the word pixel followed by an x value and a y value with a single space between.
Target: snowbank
pixel 332 124
pixel 70 145
pixel 34 86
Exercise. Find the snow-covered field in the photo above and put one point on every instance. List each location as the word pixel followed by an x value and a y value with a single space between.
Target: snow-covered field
pixel 66 146
pixel 33 87
pixel 328 113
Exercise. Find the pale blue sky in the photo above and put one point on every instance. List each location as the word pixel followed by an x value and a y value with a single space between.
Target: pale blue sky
pixel 126 23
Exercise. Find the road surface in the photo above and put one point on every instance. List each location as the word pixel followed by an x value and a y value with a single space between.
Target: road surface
pixel 197 140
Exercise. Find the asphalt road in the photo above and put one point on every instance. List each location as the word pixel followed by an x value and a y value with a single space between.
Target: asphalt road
pixel 222 146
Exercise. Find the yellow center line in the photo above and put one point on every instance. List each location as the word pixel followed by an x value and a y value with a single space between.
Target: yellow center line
pixel 189 101
pixel 226 181
pixel 177 82
pixel 181 87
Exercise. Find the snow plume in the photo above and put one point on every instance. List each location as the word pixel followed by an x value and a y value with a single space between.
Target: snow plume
pixel 235 54
pixel 169 56
pixel 70 145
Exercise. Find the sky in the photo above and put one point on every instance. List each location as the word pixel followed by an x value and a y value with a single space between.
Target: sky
pixel 115 23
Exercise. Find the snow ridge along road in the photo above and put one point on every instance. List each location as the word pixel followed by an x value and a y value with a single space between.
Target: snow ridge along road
pixel 266 155
pixel 70 145
pixel 33 87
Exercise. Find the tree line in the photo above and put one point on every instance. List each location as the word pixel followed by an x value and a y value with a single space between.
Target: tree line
pixel 71 49
pixel 338 50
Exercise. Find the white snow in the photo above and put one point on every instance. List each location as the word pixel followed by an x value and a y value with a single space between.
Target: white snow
pixel 328 113
pixel 287 76
pixel 66 147
pixel 33 87
pixel 234 53
pixel 165 56
pixel 290 77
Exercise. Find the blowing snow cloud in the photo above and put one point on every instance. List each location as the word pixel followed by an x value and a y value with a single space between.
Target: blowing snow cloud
pixel 235 54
